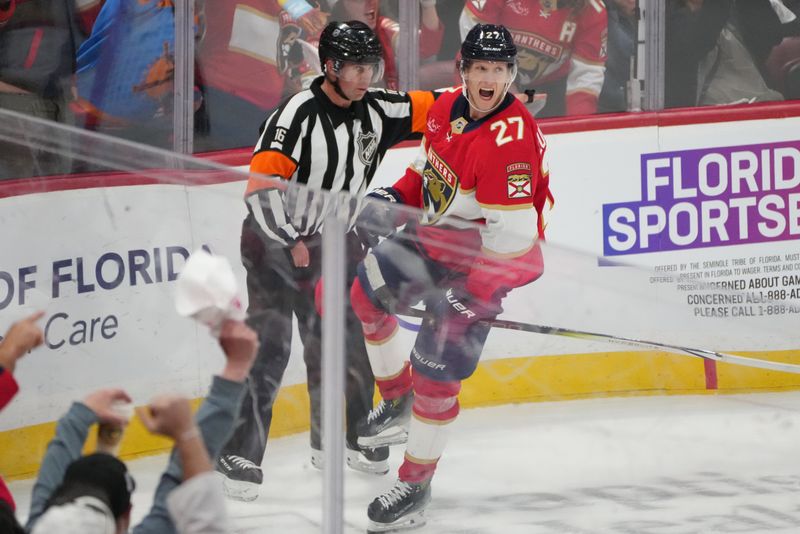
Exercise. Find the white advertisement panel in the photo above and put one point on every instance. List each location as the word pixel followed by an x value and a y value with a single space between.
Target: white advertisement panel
pixel 701 204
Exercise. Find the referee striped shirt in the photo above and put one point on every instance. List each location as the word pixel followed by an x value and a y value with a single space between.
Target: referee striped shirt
pixel 310 140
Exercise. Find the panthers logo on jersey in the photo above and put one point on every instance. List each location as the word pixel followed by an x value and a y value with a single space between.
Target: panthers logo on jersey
pixel 439 186
pixel 537 56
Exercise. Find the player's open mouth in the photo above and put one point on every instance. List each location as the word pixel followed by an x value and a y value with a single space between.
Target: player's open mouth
pixel 370 16
pixel 486 94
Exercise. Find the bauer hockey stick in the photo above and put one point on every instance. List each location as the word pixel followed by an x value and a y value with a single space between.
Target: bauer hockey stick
pixel 639 343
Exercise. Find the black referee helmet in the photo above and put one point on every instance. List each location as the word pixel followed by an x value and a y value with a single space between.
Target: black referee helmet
pixel 351 41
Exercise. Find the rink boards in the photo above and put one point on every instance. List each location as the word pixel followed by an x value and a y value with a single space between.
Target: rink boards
pixel 669 195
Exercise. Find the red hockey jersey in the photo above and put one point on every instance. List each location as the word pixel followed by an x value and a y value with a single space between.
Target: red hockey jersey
pixel 241 52
pixel 552 44
pixel 492 171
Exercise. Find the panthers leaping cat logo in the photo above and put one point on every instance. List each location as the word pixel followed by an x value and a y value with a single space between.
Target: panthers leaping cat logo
pixel 437 194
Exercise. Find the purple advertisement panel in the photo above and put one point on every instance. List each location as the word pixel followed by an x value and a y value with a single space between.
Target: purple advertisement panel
pixel 708 198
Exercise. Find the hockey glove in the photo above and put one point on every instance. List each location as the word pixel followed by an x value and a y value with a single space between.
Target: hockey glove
pixel 378 218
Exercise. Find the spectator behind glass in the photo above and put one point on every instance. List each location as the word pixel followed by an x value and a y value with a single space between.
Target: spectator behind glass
pixel 88 10
pixel 771 32
pixel 764 24
pixel 252 55
pixel 783 63
pixel 91 494
pixel 38 43
pixel 692 30
pixel 562 47
pixel 197 506
pixel 125 71
pixel 735 69
pixel 732 72
pixel 622 28
pixel 784 68
pixel 95 493
pixel 449 13
pixel 388 31
pixel 21 338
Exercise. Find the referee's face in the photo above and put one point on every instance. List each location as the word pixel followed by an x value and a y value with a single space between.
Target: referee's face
pixel 355 79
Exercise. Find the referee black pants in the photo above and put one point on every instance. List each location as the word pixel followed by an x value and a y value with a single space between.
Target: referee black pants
pixel 276 291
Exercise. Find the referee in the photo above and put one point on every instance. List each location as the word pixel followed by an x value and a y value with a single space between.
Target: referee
pixel 330 137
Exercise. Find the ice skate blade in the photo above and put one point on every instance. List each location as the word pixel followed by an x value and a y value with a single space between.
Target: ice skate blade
pixel 390 436
pixel 409 522
pixel 316 460
pixel 357 463
pixel 239 490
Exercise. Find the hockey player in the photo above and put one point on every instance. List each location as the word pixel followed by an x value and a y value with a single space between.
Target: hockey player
pixel 483 160
pixel 329 137
pixel 562 47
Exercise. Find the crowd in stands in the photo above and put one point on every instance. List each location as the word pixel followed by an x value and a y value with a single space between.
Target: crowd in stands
pixel 731 51
pixel 91 494
pixel 108 65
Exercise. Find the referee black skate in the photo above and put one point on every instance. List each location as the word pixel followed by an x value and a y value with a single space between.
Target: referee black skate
pixel 330 137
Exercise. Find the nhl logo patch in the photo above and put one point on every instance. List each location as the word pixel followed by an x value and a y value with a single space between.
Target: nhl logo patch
pixel 367 145
pixel 519 186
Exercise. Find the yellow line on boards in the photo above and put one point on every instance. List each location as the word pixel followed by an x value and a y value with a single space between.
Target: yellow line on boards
pixel 502 381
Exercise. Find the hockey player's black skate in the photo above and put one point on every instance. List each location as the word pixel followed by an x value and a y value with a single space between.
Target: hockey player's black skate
pixel 241 477
pixel 371 461
pixel 387 423
pixel 400 508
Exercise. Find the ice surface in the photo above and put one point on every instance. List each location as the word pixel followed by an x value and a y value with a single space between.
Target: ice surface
pixel 637 465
